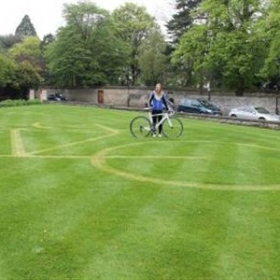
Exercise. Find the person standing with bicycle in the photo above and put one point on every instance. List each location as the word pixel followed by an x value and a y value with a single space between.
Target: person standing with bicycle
pixel 157 102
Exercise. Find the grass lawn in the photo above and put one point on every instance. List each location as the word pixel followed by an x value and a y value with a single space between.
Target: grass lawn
pixel 82 199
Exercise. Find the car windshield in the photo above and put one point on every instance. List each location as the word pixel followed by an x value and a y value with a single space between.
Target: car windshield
pixel 261 110
pixel 207 104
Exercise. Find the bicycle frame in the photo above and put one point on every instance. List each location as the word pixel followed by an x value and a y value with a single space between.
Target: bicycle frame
pixel 142 126
pixel 165 116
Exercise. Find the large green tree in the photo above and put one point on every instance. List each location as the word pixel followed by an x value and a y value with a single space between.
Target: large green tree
pixel 8 88
pixel 224 49
pixel 268 31
pixel 7 71
pixel 182 19
pixel 86 52
pixel 152 58
pixel 28 58
pixel 20 68
pixel 132 25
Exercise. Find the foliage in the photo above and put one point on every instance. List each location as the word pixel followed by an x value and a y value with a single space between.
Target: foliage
pixel 112 54
pixel 132 25
pixel 268 33
pixel 25 28
pixel 152 58
pixel 225 50
pixel 232 44
pixel 20 68
pixel 182 19
pixel 7 70
pixel 28 56
pixel 21 61
pixel 19 102
pixel 192 51
pixel 7 41
pixel 48 39
pixel 28 50
pixel 67 59
pixel 85 52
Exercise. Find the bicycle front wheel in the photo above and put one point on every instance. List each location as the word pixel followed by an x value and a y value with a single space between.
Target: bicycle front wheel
pixel 172 128
pixel 140 127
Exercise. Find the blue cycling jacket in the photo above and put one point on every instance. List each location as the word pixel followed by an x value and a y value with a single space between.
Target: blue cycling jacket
pixel 157 104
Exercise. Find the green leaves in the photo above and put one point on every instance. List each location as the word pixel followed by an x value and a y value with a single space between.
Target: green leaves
pixel 7 70
pixel 132 24
pixel 225 48
pixel 21 67
pixel 152 59
pixel 87 51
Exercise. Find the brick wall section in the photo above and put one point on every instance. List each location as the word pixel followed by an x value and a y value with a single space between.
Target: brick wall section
pixel 137 97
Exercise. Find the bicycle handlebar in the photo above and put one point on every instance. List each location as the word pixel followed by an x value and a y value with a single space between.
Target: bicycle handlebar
pixel 170 112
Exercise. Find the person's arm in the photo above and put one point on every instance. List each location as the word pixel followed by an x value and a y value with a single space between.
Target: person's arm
pixel 151 100
pixel 165 103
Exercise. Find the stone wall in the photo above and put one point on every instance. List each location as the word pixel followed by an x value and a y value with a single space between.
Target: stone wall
pixel 137 97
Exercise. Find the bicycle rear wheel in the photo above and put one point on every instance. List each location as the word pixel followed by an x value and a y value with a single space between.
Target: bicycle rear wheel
pixel 140 127
pixel 173 129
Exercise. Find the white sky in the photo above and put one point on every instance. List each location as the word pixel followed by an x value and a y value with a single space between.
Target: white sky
pixel 46 15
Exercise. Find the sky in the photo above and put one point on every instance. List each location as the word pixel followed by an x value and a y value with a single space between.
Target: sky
pixel 46 15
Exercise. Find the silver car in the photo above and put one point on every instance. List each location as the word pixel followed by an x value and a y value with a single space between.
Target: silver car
pixel 254 113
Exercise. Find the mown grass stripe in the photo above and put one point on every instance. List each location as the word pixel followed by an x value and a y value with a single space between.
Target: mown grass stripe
pixel 17 143
pixel 250 234
pixel 126 208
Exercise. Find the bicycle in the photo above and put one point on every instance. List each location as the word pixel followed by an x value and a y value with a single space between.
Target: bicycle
pixel 172 127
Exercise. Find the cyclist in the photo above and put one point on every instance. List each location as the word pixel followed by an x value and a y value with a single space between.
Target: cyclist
pixel 157 103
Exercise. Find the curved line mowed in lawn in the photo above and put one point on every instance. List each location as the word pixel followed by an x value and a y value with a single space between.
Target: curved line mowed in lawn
pixel 17 144
pixel 18 149
pixel 100 161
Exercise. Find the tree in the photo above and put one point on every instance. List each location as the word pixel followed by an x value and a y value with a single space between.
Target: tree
pixel 20 68
pixel 132 24
pixel 16 78
pixel 7 41
pixel 225 48
pixel 152 58
pixel 86 51
pixel 66 58
pixel 190 56
pixel 28 58
pixel 8 81
pixel 268 33
pixel 7 71
pixel 182 20
pixel 48 39
pixel 112 54
pixel 28 50
pixel 25 28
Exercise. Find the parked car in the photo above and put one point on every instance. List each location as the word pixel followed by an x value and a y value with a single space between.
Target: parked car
pixel 253 113
pixel 198 106
pixel 57 97
pixel 270 86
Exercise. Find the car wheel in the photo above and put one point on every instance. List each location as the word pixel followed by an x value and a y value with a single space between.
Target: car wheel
pixel 262 119
pixel 233 116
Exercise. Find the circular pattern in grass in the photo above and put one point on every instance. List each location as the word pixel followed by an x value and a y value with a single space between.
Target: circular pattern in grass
pixel 197 164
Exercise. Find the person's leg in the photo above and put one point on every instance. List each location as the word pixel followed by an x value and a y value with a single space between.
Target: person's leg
pixel 160 126
pixel 154 121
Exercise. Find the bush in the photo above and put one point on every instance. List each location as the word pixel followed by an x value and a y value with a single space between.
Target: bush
pixel 19 102
pixel 33 102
